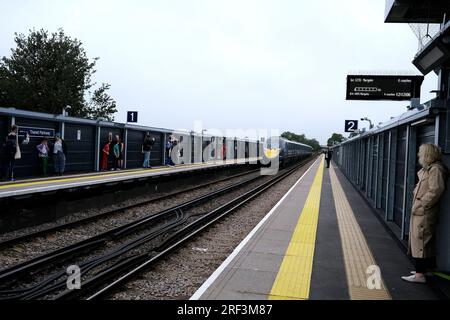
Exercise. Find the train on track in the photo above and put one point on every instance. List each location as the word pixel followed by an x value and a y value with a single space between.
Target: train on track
pixel 288 152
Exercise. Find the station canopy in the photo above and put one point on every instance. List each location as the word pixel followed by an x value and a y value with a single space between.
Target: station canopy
pixel 416 11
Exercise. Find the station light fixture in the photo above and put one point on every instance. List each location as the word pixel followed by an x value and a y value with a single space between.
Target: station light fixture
pixel 65 110
pixel 422 121
pixel 370 121
pixel 436 53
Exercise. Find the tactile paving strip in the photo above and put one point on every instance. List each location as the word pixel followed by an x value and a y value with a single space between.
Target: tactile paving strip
pixel 294 276
pixel 360 265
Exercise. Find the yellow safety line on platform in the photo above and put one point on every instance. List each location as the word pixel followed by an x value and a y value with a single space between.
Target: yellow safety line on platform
pixel 68 176
pixel 95 177
pixel 294 276
pixel 363 276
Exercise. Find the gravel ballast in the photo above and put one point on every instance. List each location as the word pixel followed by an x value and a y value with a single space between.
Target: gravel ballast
pixel 55 240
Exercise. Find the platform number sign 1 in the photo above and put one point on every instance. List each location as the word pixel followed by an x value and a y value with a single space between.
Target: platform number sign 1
pixel 351 125
pixel 132 116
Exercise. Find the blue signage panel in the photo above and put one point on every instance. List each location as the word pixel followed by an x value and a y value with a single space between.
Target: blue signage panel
pixel 37 132
pixel 351 125
pixel 132 116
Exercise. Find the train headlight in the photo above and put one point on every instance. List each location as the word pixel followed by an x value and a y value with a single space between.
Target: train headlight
pixel 272 153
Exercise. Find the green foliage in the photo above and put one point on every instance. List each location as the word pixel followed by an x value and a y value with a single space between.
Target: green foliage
pixel 101 105
pixel 336 138
pixel 47 72
pixel 302 139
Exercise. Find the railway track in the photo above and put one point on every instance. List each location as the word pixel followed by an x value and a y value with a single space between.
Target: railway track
pixel 137 245
pixel 27 236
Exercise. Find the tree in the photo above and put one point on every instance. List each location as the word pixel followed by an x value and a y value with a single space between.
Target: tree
pixel 101 105
pixel 336 138
pixel 46 73
pixel 301 138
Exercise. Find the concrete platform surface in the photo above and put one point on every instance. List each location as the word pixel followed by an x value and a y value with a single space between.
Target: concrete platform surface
pixel 321 241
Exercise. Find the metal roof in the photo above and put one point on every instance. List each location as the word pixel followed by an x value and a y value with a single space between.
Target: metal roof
pixel 410 116
pixel 18 113
pixel 416 11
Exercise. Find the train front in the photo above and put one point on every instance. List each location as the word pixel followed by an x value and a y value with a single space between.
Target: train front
pixel 272 151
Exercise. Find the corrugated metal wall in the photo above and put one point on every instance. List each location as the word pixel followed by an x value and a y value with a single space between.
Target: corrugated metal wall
pixel 400 175
pixel 29 165
pixel 86 138
pixel 80 141
pixel 3 133
pixel 381 165
pixel 384 179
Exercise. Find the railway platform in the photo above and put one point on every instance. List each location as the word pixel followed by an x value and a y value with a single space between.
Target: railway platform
pixel 321 242
pixel 89 180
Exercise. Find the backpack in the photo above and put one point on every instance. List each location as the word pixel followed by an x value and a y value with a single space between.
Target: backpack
pixel 11 145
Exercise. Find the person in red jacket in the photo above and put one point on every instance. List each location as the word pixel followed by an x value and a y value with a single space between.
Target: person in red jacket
pixel 105 156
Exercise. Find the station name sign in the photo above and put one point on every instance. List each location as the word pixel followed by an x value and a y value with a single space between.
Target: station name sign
pixel 37 132
pixel 383 87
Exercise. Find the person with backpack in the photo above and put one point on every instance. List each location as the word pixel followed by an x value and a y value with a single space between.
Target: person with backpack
pixel 43 151
pixel 12 150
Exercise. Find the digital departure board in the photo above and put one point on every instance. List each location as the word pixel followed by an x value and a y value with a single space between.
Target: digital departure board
pixel 383 87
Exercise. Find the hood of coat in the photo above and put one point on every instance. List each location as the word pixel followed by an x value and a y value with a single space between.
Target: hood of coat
pixel 439 165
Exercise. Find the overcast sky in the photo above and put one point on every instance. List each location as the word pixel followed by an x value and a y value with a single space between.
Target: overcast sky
pixel 263 64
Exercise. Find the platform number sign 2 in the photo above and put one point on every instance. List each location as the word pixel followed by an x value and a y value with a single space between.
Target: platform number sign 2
pixel 132 117
pixel 351 125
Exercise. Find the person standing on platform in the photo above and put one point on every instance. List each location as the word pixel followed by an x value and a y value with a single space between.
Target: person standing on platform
pixel 178 154
pixel 328 156
pixel 116 152
pixel 105 156
pixel 169 146
pixel 43 151
pixel 112 157
pixel 59 155
pixel 12 150
pixel 121 153
pixel 147 147
pixel 425 210
pixel 224 152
